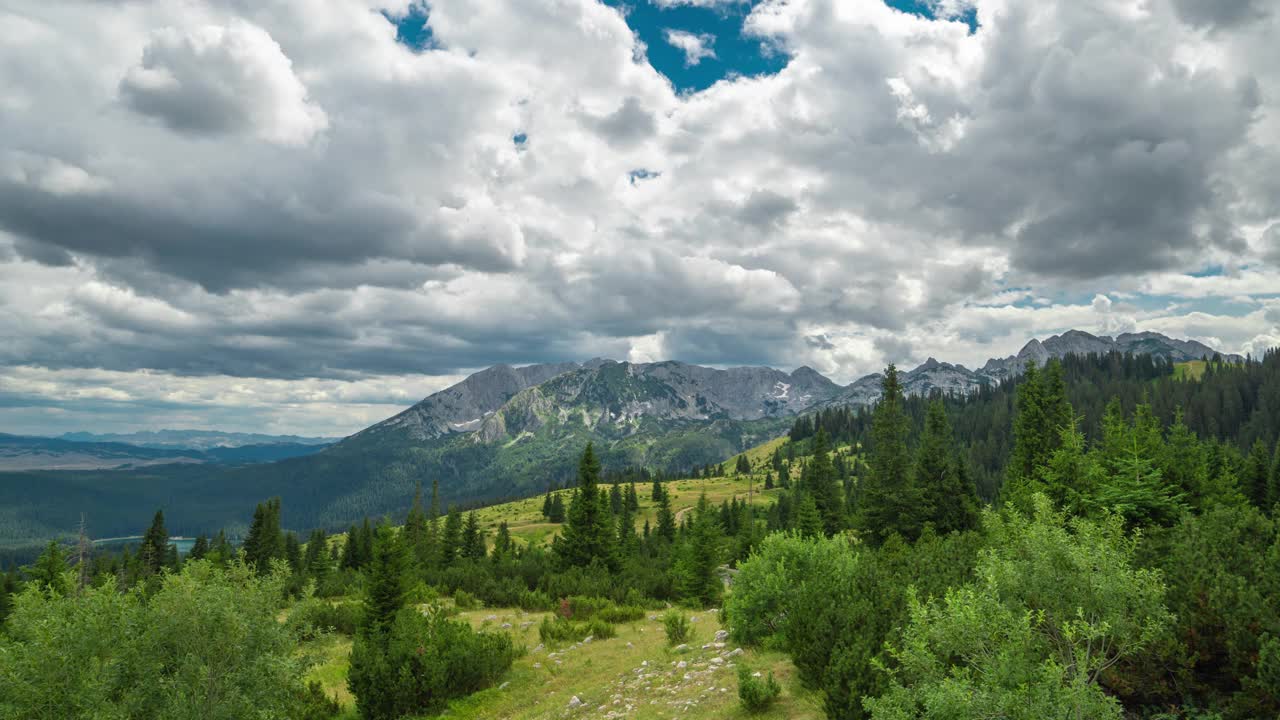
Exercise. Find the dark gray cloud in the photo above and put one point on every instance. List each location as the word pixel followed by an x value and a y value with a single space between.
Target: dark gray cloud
pixel 1222 13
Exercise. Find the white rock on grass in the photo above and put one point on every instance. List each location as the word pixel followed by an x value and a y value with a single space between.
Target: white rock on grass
pixel 575 702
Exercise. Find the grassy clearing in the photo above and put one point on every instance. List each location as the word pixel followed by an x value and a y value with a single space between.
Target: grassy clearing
pixel 525 521
pixel 1190 370
pixel 634 675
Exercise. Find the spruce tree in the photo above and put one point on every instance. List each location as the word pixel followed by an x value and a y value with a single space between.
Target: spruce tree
pixel 744 466
pixel 546 505
pixel 473 538
pixel 385 580
pixel 615 499
pixel 200 547
pixel 807 520
pixel 1256 478
pixel 632 498
pixel 503 547
pixel 557 508
pixel 697 569
pixel 890 501
pixel 351 550
pixel 588 531
pixel 949 500
pixel 155 545
pixel 50 571
pixel 821 485
pixel 293 551
pixel 415 527
pixel 451 537
pixel 666 527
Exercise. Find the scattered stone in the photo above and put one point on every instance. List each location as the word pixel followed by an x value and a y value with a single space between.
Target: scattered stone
pixel 574 702
pixel 718 645
pixel 490 618
pixel 681 648
pixel 717 661
pixel 756 674
pixel 588 639
pixel 682 665
pixel 629 644
pixel 539 648
pixel 735 652
pixel 505 626
pixel 722 635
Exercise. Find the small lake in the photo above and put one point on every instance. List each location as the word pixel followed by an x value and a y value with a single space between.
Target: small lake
pixel 183 543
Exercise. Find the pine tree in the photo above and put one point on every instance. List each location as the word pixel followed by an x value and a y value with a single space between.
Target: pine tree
pixel 473 542
pixel 657 492
pixel 385 580
pixel 890 500
pixel 1136 490
pixel 632 498
pixel 503 547
pixel 666 527
pixel 949 499
pixel 50 571
pixel 1273 485
pixel 451 538
pixel 200 548
pixel 415 526
pixel 615 499
pixel 293 551
pixel 743 467
pixel 806 518
pixel 155 545
pixel 697 569
pixel 265 541
pixel 316 560
pixel 351 550
pixel 821 485
pixel 546 505
pixel 588 532
pixel 1256 478
pixel 557 509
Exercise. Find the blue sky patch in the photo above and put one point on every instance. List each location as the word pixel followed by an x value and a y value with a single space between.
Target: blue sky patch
pixel 735 54
pixel 642 174
pixel 412 30
pixel 929 9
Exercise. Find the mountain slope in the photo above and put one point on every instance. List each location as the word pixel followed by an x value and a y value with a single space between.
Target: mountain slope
pixel 193 439
pixel 501 433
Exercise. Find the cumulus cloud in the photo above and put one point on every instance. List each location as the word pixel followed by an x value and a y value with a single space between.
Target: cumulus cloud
pixel 227 193
pixel 222 79
pixel 696 47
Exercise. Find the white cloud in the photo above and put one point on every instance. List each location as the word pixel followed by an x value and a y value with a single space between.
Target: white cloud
pixel 696 47
pixel 281 194
pixel 215 79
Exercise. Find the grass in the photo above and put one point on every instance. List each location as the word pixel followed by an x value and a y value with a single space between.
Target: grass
pixel 1190 370
pixel 524 517
pixel 634 674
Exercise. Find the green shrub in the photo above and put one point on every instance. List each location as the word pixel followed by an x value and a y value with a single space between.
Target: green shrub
pixel 564 630
pixel 464 600
pixel 534 601
pixel 756 695
pixel 678 627
pixel 315 616
pixel 422 662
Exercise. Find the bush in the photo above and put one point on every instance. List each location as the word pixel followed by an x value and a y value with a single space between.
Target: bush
pixel 315 616
pixel 534 601
pixel 583 608
pixel 678 627
pixel 756 695
pixel 424 661
pixel 564 630
pixel 464 600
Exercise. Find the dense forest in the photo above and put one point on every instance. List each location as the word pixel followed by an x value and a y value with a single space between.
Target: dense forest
pixel 1098 539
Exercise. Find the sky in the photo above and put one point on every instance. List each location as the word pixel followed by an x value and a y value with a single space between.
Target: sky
pixel 301 216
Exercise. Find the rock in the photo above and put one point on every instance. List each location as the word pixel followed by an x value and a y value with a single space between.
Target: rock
pixel 717 661
pixel 504 685
pixel 630 645
pixel 681 648
pixel 491 618
pixel 539 648
pixel 574 702
pixel 718 646
pixel 722 635
pixel 505 626
pixel 588 639
pixel 756 674
pixel 682 665
pixel 644 663
pixel 735 652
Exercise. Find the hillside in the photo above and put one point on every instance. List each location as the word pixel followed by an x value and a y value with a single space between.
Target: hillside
pixel 501 433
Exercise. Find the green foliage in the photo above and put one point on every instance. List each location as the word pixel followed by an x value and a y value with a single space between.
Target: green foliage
pixel 421 662
pixel 890 500
pixel 588 534
pixel 677 626
pixel 1056 604
pixel 562 629
pixel 313 617
pixel 756 695
pixel 464 600
pixel 206 645
pixel 696 573
pixel 947 496
pixel 50 571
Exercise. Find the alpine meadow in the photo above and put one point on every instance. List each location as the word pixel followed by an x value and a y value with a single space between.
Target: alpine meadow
pixel 640 360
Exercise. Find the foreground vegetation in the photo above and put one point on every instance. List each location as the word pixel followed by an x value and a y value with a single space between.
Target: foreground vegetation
pixel 1127 567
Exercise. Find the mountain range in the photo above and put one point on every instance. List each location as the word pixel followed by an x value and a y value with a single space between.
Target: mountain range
pixel 508 431
pixel 19 452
